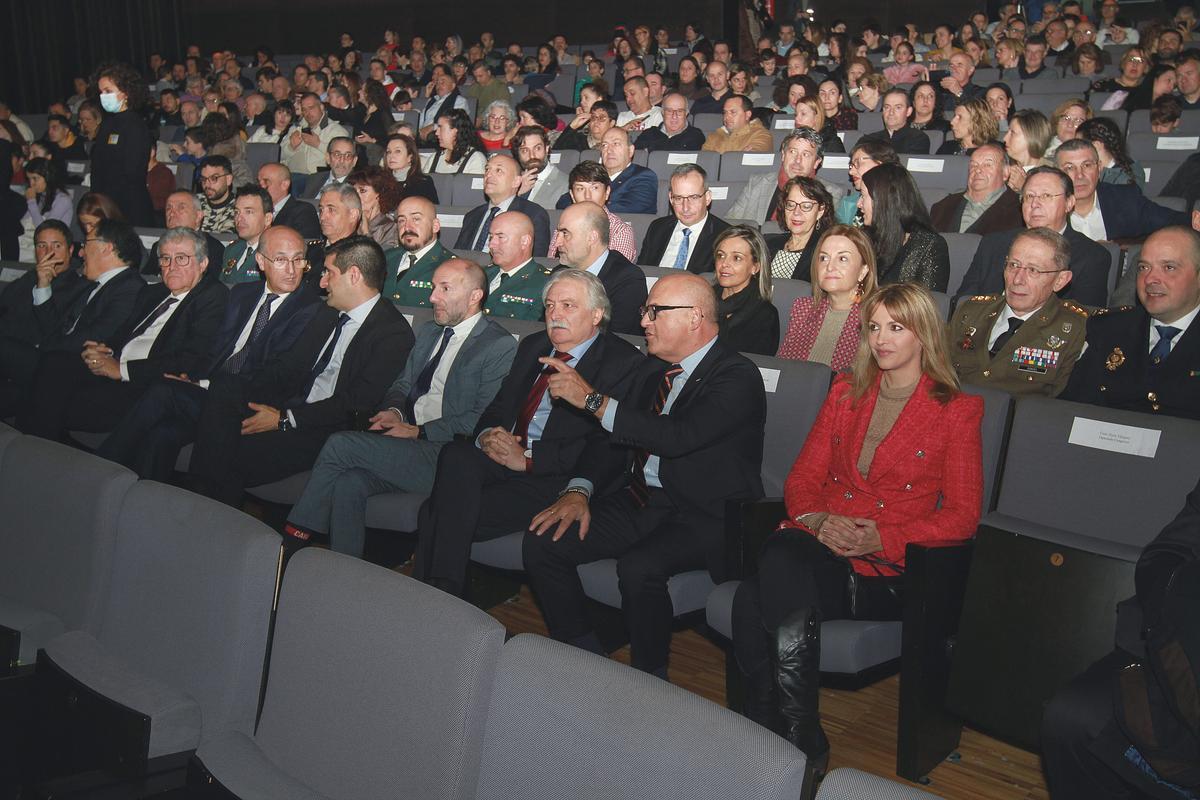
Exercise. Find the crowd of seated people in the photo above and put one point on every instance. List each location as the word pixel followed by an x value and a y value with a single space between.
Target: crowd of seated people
pixel 264 327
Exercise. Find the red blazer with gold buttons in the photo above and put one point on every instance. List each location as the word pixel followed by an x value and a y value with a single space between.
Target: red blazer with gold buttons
pixel 932 453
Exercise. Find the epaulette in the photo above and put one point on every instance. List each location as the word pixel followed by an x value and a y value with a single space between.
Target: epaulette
pixel 547 270
pixel 1078 309
pixel 985 298
pixel 1099 312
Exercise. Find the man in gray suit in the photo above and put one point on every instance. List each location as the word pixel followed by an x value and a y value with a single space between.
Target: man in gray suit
pixel 341 157
pixel 541 182
pixel 800 154
pixel 455 369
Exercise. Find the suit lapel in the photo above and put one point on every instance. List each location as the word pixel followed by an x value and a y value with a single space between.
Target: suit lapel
pixel 919 416
pixel 696 379
pixel 361 341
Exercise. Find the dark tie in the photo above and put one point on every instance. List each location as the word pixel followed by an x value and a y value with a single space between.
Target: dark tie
pixel 249 261
pixel 425 379
pixel 637 486
pixel 482 238
pixel 534 398
pixel 1013 324
pixel 1162 348
pixel 412 260
pixel 236 361
pixel 145 324
pixel 73 316
pixel 326 354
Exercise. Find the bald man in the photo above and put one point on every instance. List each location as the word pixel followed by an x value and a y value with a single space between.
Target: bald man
pixel 694 419
pixel 515 280
pixel 583 243
pixel 288 211
pixel 501 184
pixel 410 266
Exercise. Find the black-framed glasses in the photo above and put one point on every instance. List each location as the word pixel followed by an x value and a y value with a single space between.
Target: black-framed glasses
pixel 181 260
pixel 653 311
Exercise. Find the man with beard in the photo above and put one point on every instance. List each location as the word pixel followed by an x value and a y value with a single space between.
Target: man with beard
pixel 410 267
pixel 216 198
pixel 541 181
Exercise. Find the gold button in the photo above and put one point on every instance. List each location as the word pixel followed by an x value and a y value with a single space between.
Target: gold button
pixel 1152 397
pixel 848 495
pixel 987 373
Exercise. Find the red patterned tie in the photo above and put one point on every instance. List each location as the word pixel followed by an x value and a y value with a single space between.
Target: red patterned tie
pixel 637 485
pixel 534 398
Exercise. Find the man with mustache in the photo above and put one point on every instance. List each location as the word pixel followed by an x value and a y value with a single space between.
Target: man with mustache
pixel 410 266
pixel 515 280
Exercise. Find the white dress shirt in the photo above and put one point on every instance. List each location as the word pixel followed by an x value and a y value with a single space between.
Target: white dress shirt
pixel 1183 323
pixel 676 241
pixel 326 382
pixel 1001 325
pixel 139 347
pixel 429 405
pixel 1090 225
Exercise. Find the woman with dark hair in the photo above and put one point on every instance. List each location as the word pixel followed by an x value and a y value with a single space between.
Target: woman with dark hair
pixel 1134 66
pixel 47 196
pixel 379 115
pixel 690 83
pixel 536 110
pixel 748 322
pixel 1000 101
pixel 547 60
pixel 1160 81
pixel 224 138
pixel 833 103
pixel 283 123
pixel 907 247
pixel 459 150
pixel 231 112
pixel 806 211
pixel 1028 137
pixel 119 152
pixel 927 108
pixel 1115 164
pixel 788 92
pixel 973 125
pixel 379 194
pixel 400 157
pixel 864 156
pixel 1087 61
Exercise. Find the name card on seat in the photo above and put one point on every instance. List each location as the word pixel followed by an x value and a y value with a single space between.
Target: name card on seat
pixel 76 167
pixel 670 50
pixel 926 165
pixel 650 281
pixel 477 183
pixel 148 241
pixel 1177 143
pixel 1115 438
pixel 10 274
pixel 770 378
pixel 758 159
pixel 174 168
pixel 555 158
pixel 682 158
pixel 719 192
pixel 1146 170
pixel 836 162
pixel 451 220
pixel 785 124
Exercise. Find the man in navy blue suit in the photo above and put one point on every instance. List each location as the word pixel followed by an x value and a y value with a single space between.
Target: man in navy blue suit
pixel 501 182
pixel 634 187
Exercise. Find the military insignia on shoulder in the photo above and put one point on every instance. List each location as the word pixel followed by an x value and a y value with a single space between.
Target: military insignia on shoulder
pixel 985 298
pixel 1099 312
pixel 230 266
pixel 1080 310
pixel 1115 359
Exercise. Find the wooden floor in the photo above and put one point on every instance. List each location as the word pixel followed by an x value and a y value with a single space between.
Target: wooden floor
pixel 861 724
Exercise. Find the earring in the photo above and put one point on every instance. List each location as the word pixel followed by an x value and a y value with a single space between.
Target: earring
pixel 858 292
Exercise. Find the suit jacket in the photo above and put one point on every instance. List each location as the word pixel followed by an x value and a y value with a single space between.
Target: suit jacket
pixel 17 319
pixel 700 259
pixel 98 320
pixel 1002 215
pixel 625 286
pixel 969 92
pixel 315 183
pixel 233 271
pixel 755 199
pixel 932 453
pixel 412 287
pixel 707 455
pixel 372 361
pixel 472 383
pixel 537 215
pixel 288 321
pixel 1115 370
pixel 572 444
pixel 184 341
pixel 547 191
pixel 216 252
pixel 690 138
pixel 634 191
pixel 906 140
pixel 300 217
pixel 1090 264
pixel 1129 215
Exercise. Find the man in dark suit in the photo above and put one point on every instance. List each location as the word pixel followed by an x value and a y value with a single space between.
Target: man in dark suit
pixel 1106 211
pixel 262 321
pixel 501 182
pixel 987 205
pixel 684 240
pixel 957 87
pixel 528 448
pixel 634 187
pixel 170 331
pixel 341 366
pixel 690 456
pixel 452 374
pixel 289 212
pixel 675 133
pixel 1047 199
pixel 1146 358
pixel 583 244
pixel 183 210
pixel 341 158
pixel 897 109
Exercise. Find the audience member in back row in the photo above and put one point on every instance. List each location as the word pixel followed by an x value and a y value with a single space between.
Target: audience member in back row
pixel 1025 341
pixel 501 182
pixel 589 183
pixel 402 159
pixel 800 155
pixel 806 211
pixel 825 327
pixel 584 244
pixel 907 247
pixel 855 497
pixel 1146 358
pixel 973 125
pixel 675 133
pixel 684 239
pixel 741 132
pixel 634 188
pixel 987 205
pixel 747 320
pixel 897 109
pixel 864 157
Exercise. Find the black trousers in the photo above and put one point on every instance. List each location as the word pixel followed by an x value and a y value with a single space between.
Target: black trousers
pixel 66 396
pixel 149 437
pixel 650 544
pixel 794 571
pixel 474 499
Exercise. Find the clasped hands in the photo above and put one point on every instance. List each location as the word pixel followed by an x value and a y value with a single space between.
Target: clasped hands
pixel 98 358
pixel 504 448
pixel 849 536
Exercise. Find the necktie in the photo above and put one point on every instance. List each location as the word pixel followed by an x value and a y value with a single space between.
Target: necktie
pixel 481 239
pixel 412 260
pixel 681 256
pixel 327 353
pixel 534 398
pixel 425 379
pixel 1162 348
pixel 637 486
pixel 1013 324
pixel 248 263
pixel 235 362
pixel 145 324
pixel 73 316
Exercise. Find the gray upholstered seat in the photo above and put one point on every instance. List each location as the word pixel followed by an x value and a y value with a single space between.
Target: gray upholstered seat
pixel 853 784
pixel 394 511
pixel 285 492
pixel 631 736
pixel 378 687
pixel 502 553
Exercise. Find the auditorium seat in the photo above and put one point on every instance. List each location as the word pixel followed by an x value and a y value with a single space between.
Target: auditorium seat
pixel 466 191
pixel 1174 147
pixel 258 154
pixel 848 783
pixel 1071 85
pixel 946 172
pixel 1157 173
pixel 664 162
pixel 740 167
pixel 962 249
pixel 378 687
pixel 784 294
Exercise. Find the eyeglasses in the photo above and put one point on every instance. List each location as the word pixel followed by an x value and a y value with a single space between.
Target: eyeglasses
pixel 1071 169
pixel 214 178
pixel 1136 60
pixel 180 259
pixel 1074 122
pixel 685 199
pixel 1041 198
pixel 283 262
pixel 336 156
pixel 804 205
pixel 653 311
pixel 1014 266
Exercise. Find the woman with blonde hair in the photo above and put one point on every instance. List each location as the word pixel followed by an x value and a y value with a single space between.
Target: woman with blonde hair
pixel 810 114
pixel 1066 120
pixel 1029 134
pixel 973 124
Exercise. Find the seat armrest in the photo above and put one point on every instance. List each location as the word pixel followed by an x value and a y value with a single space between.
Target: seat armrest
pixel 747 525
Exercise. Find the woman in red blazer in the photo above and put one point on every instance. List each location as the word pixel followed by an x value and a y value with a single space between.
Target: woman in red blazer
pixel 893 457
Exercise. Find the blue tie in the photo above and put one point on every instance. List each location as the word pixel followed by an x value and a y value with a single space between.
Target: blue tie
pixel 425 379
pixel 681 256
pixel 236 361
pixel 481 239
pixel 1162 349
pixel 326 354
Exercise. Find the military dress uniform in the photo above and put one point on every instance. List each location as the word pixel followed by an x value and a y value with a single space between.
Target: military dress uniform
pixel 520 295
pixel 1119 371
pixel 1036 359
pixel 237 266
pixel 410 286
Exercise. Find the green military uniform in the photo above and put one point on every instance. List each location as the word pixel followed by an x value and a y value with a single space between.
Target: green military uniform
pixel 235 269
pixel 520 295
pixel 410 286
pixel 1037 358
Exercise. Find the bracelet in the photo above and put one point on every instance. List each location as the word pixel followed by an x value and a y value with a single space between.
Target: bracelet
pixel 576 490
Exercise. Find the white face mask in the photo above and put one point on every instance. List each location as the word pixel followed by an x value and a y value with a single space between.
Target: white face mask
pixel 109 102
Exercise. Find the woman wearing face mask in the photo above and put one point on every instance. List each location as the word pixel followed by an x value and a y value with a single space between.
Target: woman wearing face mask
pixel 119 152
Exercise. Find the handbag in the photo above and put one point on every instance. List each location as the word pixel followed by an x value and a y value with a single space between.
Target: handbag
pixel 878 596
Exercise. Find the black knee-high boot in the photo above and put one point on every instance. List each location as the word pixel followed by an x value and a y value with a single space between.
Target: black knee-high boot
pixel 798 673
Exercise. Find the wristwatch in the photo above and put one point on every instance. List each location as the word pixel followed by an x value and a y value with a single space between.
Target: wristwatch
pixel 592 402
pixel 284 423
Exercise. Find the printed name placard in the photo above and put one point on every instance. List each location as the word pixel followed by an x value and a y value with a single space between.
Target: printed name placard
pixel 650 281
pixel 758 159
pixel 835 162
pixel 555 158
pixel 770 378
pixel 477 183
pixel 785 124
pixel 76 167
pixel 682 158
pixel 148 241
pixel 409 317
pixel 10 274
pixel 174 168
pixel 451 220
pixel 1115 438
pixel 719 192
pixel 926 165
pixel 1177 143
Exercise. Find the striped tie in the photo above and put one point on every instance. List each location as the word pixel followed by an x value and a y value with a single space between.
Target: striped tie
pixel 637 484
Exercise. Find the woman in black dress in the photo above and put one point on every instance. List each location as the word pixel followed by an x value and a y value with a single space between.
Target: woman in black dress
pixel 907 247
pixel 119 152
pixel 747 320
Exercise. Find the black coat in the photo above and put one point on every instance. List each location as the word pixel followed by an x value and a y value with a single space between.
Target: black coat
pixel 537 215
pixel 625 286
pixel 1090 264
pixel 748 323
pixel 99 320
pixel 300 217
pixel 906 140
pixel 287 322
pixel 184 341
pixel 17 319
pixel 658 236
pixel 119 157
pixel 803 271
pixel 690 138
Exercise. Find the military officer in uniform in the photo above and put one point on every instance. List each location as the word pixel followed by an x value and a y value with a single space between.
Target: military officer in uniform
pixel 253 214
pixel 1147 358
pixel 515 280
pixel 411 265
pixel 1026 340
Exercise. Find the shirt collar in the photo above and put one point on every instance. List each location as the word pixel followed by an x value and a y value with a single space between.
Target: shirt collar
pixel 503 205
pixel 360 311
pixel 1183 323
pixel 463 329
pixel 1009 313
pixel 279 206
pixel 421 253
pixel 690 363
pixel 516 269
pixel 598 264
pixel 695 229
pixel 109 275
pixel 577 352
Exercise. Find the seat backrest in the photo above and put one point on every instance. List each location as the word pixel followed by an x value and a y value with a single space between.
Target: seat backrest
pixel 451 219
pixel 378 685
pixel 1051 477
pixel 869 122
pixel 467 190
pixel 796 390
pixel 739 166
pixel 784 293
pixel 1164 147
pixel 1071 85
pixel 60 510
pixel 183 176
pixel 962 248
pixel 416 315
pixel 519 328
pixel 997 417
pixel 663 162
pixel 947 172
pixel 260 153
pixel 1157 173
pixel 631 736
